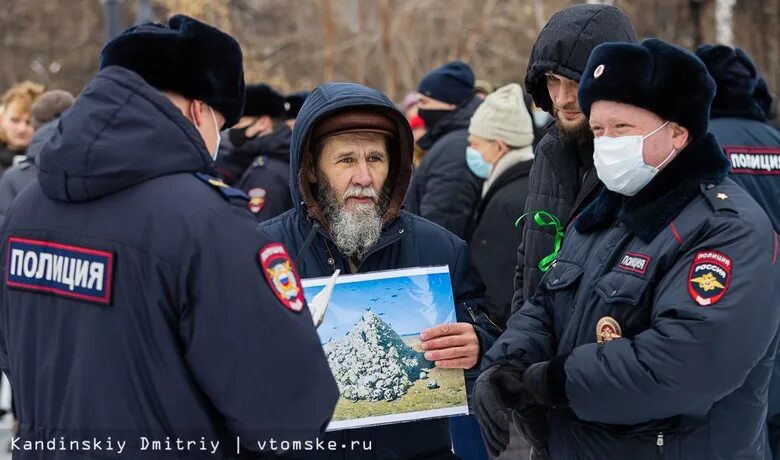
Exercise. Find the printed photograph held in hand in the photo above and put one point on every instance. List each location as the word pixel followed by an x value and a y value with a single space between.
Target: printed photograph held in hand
pixel 370 331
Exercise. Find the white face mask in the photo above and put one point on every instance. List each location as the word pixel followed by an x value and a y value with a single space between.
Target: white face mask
pixel 620 162
pixel 219 136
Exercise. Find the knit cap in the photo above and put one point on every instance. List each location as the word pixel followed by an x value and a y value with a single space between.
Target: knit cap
pixel 503 115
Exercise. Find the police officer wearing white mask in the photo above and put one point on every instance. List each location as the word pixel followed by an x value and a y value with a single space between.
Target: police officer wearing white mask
pixel 654 332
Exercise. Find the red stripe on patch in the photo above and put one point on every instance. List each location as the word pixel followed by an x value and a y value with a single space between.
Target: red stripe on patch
pixel 750 160
pixel 676 233
pixel 61 246
pixel 105 299
pixel 629 262
pixel 712 261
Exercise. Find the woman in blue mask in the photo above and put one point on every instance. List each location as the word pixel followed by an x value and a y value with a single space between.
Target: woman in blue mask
pixel 501 152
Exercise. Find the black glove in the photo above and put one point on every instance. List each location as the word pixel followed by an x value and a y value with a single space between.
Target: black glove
pixel 544 383
pixel 532 422
pixel 496 391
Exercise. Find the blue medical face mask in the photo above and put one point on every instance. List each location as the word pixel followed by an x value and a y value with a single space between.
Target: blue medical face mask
pixel 477 164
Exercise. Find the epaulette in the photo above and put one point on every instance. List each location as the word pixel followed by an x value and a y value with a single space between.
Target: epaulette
pixel 718 198
pixel 26 164
pixel 228 192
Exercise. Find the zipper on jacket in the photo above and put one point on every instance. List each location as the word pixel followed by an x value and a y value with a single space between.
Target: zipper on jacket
pixel 471 313
pixel 474 318
pixel 660 443
pixel 383 245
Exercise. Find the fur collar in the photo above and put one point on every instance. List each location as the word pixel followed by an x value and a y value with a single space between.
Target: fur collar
pixel 660 201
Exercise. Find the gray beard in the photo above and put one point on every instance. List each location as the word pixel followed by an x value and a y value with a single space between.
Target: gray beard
pixel 353 231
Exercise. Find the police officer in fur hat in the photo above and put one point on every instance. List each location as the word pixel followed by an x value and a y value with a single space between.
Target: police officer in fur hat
pixel 266 142
pixel 139 300
pixel 653 334
pixel 261 128
pixel 292 106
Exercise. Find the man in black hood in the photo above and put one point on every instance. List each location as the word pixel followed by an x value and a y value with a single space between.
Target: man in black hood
pixel 563 179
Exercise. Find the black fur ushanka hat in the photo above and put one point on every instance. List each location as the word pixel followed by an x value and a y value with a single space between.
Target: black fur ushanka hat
pixel 665 79
pixel 187 57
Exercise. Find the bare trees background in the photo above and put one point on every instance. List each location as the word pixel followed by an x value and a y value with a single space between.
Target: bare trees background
pixel 388 44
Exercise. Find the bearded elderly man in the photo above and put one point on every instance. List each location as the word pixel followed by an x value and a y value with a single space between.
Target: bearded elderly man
pixel 653 334
pixel 351 161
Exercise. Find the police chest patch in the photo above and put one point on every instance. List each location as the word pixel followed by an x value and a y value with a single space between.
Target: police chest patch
pixel 59 269
pixel 709 278
pixel 282 276
pixel 635 263
pixel 754 160
pixel 256 200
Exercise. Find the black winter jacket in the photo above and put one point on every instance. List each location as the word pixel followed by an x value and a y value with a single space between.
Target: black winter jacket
pixel 562 182
pixel 267 180
pixel 444 190
pixel 493 237
pixel 562 178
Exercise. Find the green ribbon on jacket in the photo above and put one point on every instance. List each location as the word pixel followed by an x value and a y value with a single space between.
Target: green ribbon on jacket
pixel 545 219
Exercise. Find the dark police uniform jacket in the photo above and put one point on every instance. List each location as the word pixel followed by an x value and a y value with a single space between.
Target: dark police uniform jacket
pixel 138 300
pixel 661 310
pixel 266 181
pixel 406 241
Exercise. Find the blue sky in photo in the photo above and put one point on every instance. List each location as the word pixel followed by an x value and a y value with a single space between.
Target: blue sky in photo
pixel 408 303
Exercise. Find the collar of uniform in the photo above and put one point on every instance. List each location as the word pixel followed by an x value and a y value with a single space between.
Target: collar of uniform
pixel 655 206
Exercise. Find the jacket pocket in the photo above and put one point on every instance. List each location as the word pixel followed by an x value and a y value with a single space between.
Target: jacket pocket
pixel 626 299
pixel 656 440
pixel 621 288
pixel 562 275
pixel 560 286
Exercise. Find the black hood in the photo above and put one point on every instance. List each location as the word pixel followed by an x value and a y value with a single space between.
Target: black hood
pixel 566 41
pixel 741 92
pixel 118 133
pixel 460 118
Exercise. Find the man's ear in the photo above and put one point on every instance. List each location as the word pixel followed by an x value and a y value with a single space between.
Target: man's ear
pixel 502 147
pixel 680 136
pixel 196 112
pixel 310 168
